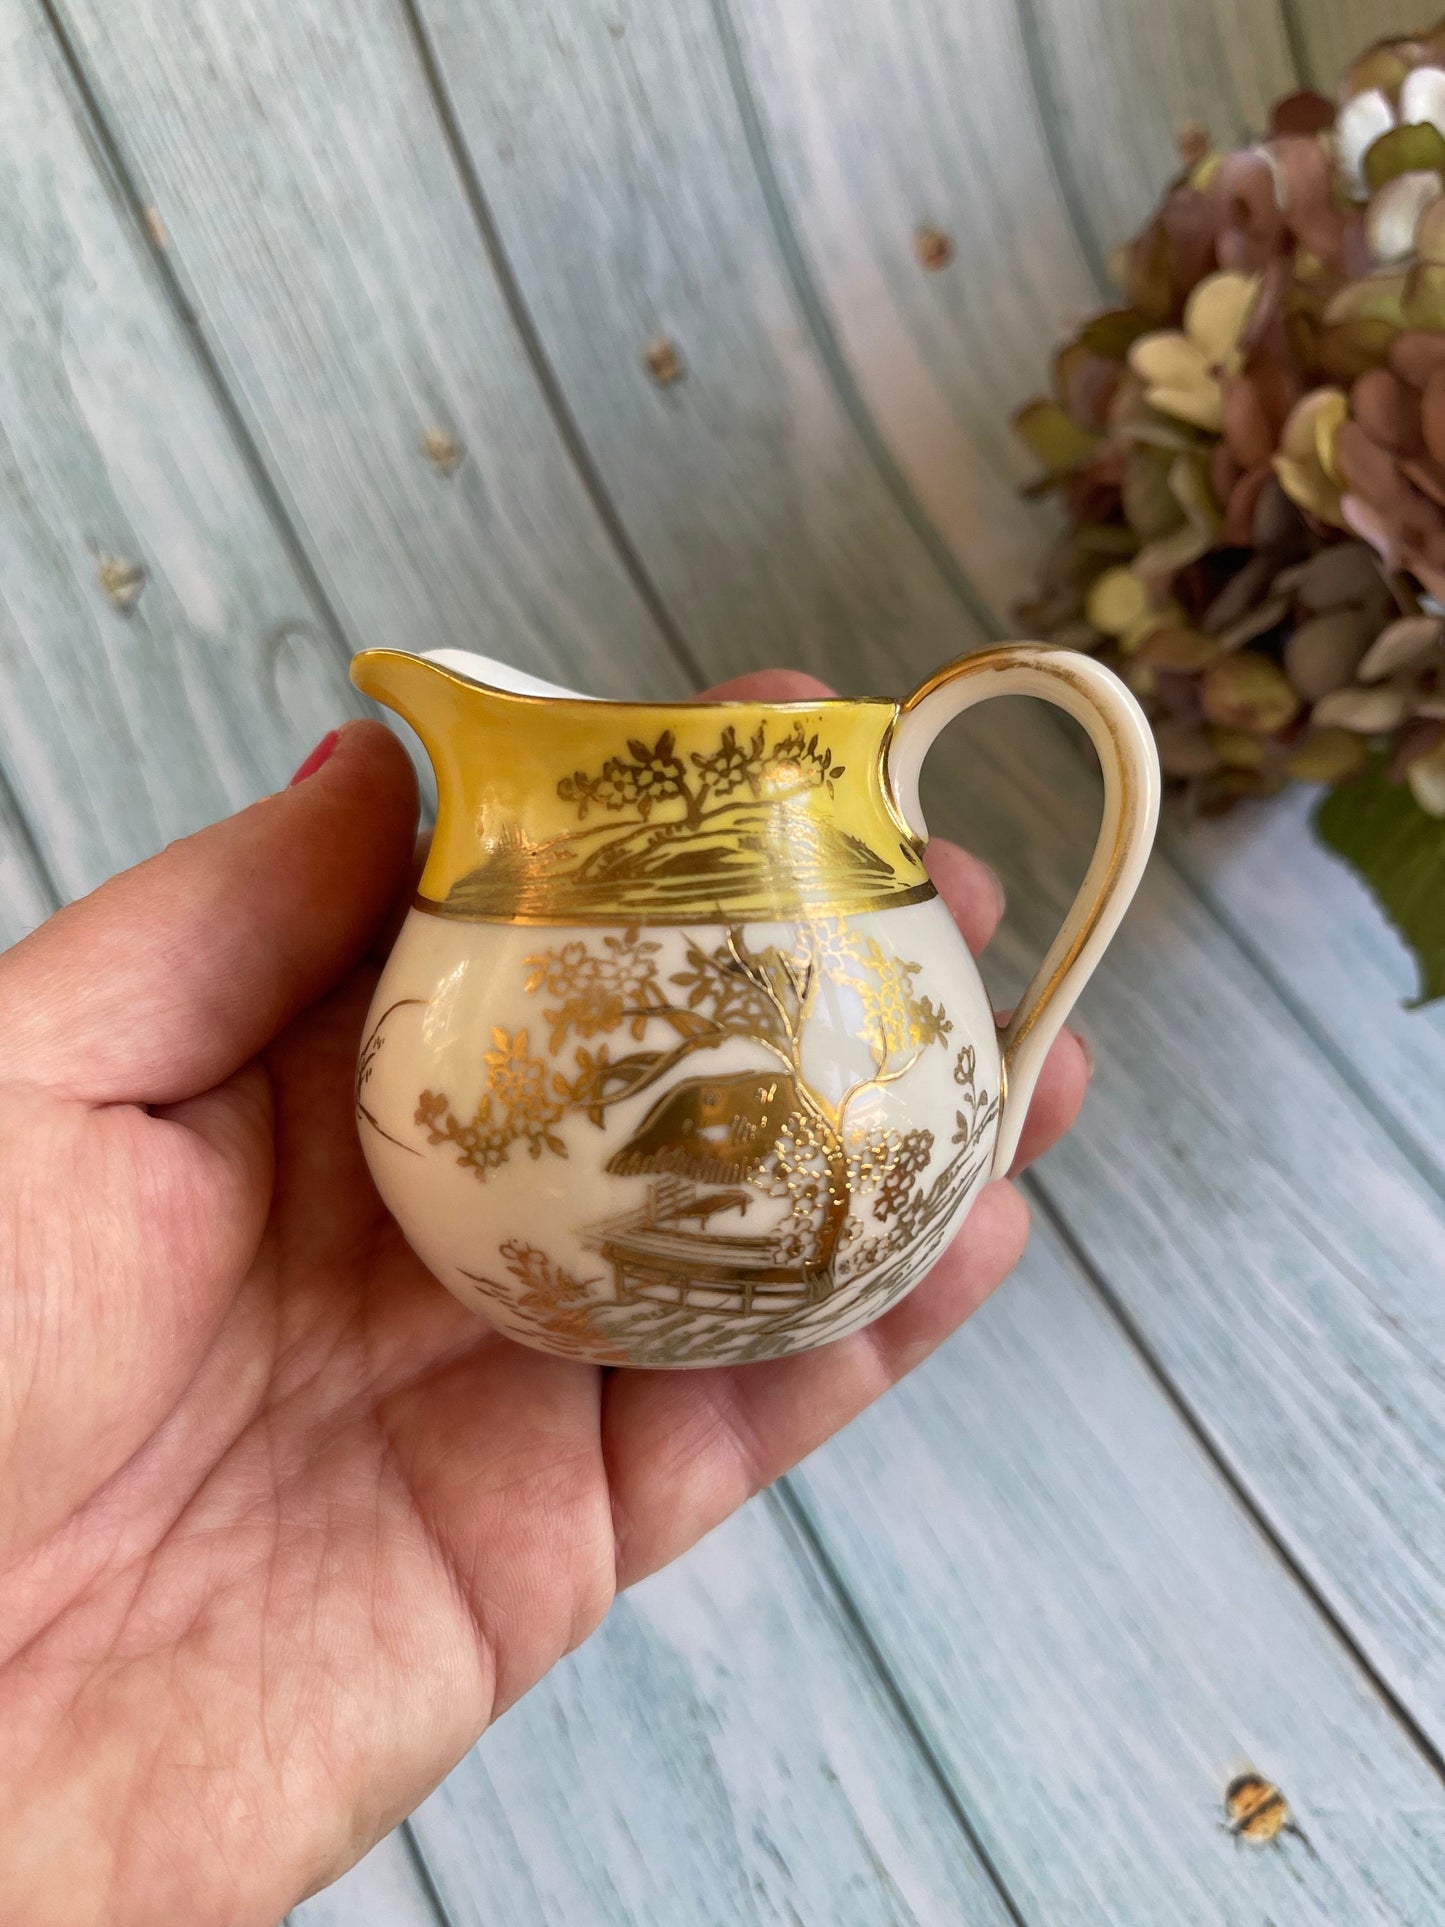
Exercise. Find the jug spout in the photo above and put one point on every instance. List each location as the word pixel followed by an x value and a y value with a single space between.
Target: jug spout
pixel 432 691
pixel 554 807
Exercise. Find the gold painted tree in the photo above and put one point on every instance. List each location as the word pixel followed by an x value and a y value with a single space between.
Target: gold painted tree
pixel 769 1127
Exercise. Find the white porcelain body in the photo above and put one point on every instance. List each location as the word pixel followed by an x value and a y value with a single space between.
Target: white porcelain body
pixel 526 1230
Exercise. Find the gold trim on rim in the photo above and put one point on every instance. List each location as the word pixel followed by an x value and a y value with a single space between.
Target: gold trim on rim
pixel 559 810
pixel 798 907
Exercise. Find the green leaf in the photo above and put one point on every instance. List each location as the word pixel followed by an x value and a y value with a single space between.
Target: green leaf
pixel 1060 444
pixel 1113 333
pixel 1415 148
pixel 1399 852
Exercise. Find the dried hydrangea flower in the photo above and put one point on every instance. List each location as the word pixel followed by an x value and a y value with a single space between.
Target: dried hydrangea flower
pixel 1305 463
pixel 1184 370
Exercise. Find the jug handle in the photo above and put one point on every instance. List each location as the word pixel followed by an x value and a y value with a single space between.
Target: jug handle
pixel 1120 733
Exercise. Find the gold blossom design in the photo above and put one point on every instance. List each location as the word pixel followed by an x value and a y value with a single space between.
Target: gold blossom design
pixel 597 992
pixel 520 1102
pixel 650 775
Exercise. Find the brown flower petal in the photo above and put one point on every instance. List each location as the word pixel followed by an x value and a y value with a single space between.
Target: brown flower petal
pixel 1251 224
pixel 1150 506
pixel 1388 411
pixel 1249 433
pixel 1238 749
pixel 1367 468
pixel 1173 253
pixel 1242 504
pixel 1327 756
pixel 1432 414
pixel 1185 750
pixel 1085 383
pixel 1416 354
pixel 1308 192
pixel 1345 574
pixel 1186 651
pixel 1401 645
pixel 1256 621
pixel 1250 693
pixel 1224 472
pixel 1324 653
pixel 1277 522
pixel 1176 695
pixel 1416 739
pixel 1384 65
pixel 1371 711
pixel 1303 113
pixel 1242 591
pixel 1366 521
pixel 1426 475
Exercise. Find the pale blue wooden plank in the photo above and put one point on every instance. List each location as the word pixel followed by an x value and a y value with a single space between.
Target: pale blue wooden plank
pixel 1330 947
pixel 1095 1639
pixel 719 1755
pixel 1117 82
pixel 1280 1255
pixel 880 121
pixel 149 616
pixel 617 165
pixel 25 896
pixel 383 1889
pixel 317 222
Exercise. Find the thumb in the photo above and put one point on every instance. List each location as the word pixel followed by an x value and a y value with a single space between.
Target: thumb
pixel 165 980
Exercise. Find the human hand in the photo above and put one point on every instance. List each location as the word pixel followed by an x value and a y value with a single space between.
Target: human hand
pixel 282 1525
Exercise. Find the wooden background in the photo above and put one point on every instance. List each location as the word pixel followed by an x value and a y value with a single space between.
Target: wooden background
pixel 1173 1503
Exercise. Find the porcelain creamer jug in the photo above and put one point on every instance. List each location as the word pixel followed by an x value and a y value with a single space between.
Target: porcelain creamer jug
pixel 679 1059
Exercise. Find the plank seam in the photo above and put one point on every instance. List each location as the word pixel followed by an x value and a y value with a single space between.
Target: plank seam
pixel 30 850
pixel 424 1873
pixel 1296 44
pixel 1038 1190
pixel 1050 118
pixel 796 1514
pixel 528 333
pixel 851 398
pixel 825 337
pixel 1415 1153
pixel 95 126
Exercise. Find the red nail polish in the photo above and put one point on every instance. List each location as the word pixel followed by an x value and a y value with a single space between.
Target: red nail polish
pixel 317 757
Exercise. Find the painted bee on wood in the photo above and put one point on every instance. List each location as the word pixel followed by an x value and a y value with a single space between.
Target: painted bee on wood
pixel 1256 1810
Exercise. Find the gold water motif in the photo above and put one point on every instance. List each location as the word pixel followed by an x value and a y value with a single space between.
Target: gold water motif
pixel 682 1274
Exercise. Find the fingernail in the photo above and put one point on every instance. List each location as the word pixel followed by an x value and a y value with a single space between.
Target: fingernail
pixel 1086 1047
pixel 317 757
pixel 1000 895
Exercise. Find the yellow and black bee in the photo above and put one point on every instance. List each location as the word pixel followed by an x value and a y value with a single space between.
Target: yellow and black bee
pixel 1256 1810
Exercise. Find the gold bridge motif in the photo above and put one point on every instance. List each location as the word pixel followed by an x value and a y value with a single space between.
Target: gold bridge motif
pixel 763 1200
